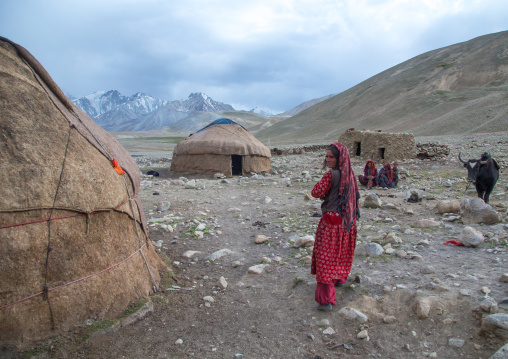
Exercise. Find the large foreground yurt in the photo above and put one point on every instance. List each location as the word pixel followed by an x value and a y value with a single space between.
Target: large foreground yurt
pixel 74 243
pixel 221 147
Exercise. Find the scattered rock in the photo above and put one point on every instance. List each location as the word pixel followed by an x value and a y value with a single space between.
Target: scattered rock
pixel 163 206
pixel 448 206
pixel 353 314
pixel 489 305
pixel 223 283
pixel 414 196
pixel 502 353
pixel 306 241
pixel 261 238
pixel 390 319
pixel 426 223
pixel 369 249
pixel 329 331
pixel 190 254
pixel 190 184
pixel 474 211
pixel 422 308
pixel 457 343
pixel 470 237
pixel 427 269
pixel 220 253
pixel 257 269
pixel 496 324
pixel 362 334
pixel 372 200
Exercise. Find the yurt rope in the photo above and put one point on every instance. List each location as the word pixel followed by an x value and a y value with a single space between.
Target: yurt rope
pixel 65 217
pixel 45 295
pixel 155 288
pixel 74 281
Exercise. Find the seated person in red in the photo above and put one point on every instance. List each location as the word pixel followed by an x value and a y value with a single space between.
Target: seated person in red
pixel 388 176
pixel 369 177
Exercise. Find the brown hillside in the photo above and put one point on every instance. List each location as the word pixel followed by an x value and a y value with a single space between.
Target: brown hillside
pixel 458 89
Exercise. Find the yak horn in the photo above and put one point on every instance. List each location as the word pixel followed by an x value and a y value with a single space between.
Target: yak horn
pixel 460 159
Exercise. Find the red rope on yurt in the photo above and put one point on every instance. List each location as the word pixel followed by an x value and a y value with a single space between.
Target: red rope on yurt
pixel 74 281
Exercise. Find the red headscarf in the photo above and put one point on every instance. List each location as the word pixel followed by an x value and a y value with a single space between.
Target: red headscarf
pixel 348 188
pixel 389 171
pixel 372 170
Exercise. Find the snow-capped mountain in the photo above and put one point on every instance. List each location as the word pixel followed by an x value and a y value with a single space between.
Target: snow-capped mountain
pixel 264 111
pixel 141 112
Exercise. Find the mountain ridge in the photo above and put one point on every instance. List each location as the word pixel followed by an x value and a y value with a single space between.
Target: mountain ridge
pixel 458 89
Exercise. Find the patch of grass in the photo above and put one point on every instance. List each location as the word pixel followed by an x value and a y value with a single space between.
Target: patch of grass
pixel 445 65
pixel 33 352
pixel 133 308
pixel 95 327
pixel 158 299
pixel 297 281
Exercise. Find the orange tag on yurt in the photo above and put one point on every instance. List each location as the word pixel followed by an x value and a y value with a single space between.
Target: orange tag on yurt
pixel 117 167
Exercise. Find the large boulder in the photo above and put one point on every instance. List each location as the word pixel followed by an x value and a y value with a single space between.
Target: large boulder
pixel 475 211
pixel 448 206
pixel 471 237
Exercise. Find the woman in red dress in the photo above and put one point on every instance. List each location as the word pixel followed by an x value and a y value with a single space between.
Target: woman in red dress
pixel 334 246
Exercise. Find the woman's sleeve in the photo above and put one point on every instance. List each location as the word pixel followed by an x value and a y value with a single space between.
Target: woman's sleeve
pixel 323 186
pixel 375 174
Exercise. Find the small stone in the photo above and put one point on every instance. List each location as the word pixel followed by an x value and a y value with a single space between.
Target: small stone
pixel 401 253
pixel 454 342
pixel 428 269
pixel 223 283
pixel 329 331
pixel 257 269
pixel 260 238
pixel 489 305
pixel 208 299
pixel 310 336
pixel 354 314
pixel 179 342
pixel 390 319
pixel 422 308
pixel 323 323
pixel 504 278
pixel 362 334
pixel 485 290
pixel 190 254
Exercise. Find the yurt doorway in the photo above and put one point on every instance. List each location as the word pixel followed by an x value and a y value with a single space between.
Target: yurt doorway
pixel 236 165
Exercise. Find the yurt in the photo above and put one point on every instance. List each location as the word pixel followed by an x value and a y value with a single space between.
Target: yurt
pixel 74 242
pixel 221 147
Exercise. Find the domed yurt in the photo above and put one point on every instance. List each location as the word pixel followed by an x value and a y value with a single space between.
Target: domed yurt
pixel 74 242
pixel 221 147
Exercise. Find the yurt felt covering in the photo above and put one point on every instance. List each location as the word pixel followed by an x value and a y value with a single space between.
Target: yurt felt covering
pixel 74 243
pixel 210 151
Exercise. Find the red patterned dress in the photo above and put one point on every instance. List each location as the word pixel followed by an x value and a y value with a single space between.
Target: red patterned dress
pixel 334 248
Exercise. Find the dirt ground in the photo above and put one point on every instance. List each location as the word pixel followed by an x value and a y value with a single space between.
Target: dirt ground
pixel 273 314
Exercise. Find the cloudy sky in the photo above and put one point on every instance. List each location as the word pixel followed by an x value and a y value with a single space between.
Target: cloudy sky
pixel 259 53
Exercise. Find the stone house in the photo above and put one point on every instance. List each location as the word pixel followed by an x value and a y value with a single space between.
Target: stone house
pixel 379 146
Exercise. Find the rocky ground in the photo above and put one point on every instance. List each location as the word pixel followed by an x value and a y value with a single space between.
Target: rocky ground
pixel 242 287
